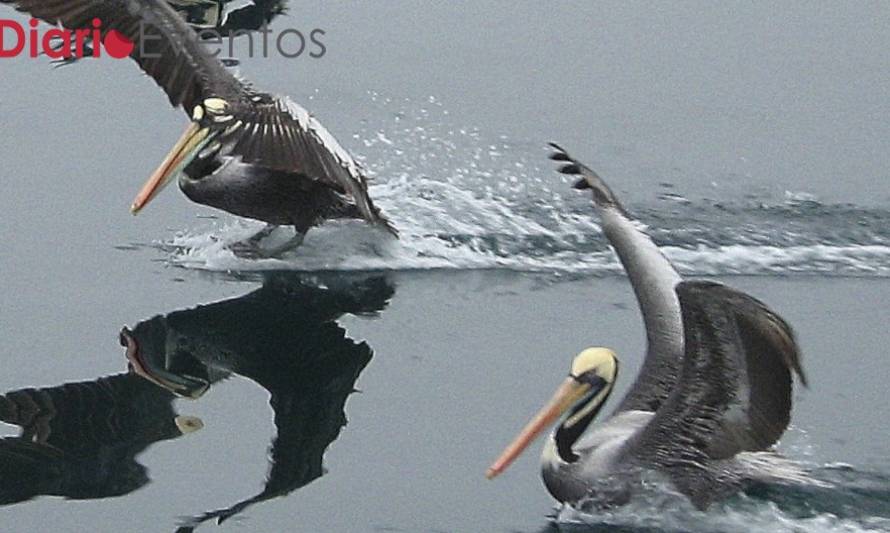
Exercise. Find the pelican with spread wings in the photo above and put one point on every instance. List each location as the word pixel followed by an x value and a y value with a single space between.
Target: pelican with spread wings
pixel 247 152
pixel 712 397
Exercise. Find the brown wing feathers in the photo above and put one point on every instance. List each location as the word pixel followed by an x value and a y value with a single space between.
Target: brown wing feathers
pixel 273 132
pixel 170 53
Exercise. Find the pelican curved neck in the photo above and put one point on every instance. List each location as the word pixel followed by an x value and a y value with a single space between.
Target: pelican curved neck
pixel 579 418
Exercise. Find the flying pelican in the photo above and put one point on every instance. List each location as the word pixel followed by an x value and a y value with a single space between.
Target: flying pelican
pixel 703 413
pixel 247 152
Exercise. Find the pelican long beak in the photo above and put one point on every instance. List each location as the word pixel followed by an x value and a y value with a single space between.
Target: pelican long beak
pixel 190 142
pixel 185 386
pixel 566 396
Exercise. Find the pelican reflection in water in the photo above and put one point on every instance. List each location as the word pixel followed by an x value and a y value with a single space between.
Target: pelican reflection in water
pixel 713 395
pixel 80 440
pixel 283 336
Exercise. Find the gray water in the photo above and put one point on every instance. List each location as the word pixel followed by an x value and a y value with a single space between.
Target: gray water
pixel 752 140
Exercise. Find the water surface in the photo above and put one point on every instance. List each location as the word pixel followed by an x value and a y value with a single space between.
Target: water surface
pixel 751 139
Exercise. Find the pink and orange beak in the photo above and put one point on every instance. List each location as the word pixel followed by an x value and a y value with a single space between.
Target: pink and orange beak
pixel 191 141
pixel 146 367
pixel 568 394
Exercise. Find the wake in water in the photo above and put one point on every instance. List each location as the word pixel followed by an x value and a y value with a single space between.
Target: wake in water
pixel 841 499
pixel 462 200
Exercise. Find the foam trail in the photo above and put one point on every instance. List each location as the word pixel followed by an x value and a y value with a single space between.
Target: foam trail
pixel 835 499
pixel 740 516
pixel 463 200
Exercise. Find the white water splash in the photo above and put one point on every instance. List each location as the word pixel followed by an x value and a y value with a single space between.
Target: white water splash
pixel 744 516
pixel 353 246
pixel 462 200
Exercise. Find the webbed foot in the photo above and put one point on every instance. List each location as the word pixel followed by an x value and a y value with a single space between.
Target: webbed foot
pixel 251 249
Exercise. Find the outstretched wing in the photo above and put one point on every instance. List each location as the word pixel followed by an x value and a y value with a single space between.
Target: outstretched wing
pixel 309 407
pixel 653 279
pixel 734 392
pixel 79 440
pixel 120 411
pixel 277 133
pixel 272 132
pixel 166 48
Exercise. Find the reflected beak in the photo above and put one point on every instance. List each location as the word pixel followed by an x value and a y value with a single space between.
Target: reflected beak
pixel 185 386
pixel 566 396
pixel 190 142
